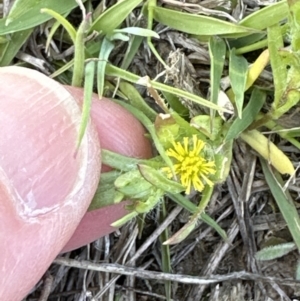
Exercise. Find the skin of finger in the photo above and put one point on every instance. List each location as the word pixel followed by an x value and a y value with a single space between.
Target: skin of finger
pixel 96 224
pixel 44 189
pixel 118 131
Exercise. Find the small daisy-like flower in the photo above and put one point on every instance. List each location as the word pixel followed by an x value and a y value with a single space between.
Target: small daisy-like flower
pixel 190 165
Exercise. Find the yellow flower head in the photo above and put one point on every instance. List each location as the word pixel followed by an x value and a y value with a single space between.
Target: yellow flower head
pixel 190 165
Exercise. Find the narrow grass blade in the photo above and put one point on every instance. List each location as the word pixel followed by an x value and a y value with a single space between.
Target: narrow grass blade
pixel 165 251
pixel 106 48
pixel 188 205
pixel 122 221
pixel 62 69
pixel 238 70
pixel 136 100
pixel 257 100
pixel 148 11
pixel 114 16
pixel 52 31
pixel 118 72
pixel 257 67
pixel 87 102
pixel 133 46
pixel 198 24
pixel 217 53
pixel 63 21
pixel 284 202
pixel 180 235
pixel 254 71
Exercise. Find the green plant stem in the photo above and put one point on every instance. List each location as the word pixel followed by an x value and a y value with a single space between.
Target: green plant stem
pixel 79 55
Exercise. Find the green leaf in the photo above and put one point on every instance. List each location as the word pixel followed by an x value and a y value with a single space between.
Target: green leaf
pixel 17 10
pixel 157 179
pixel 274 252
pixel 144 32
pixel 114 16
pixel 133 185
pixel 267 16
pixel 238 72
pixel 185 127
pixel 146 205
pixel 106 192
pixel 176 105
pixel 269 151
pixel 118 36
pixel 124 163
pixel 223 158
pixel 203 122
pixel 217 52
pixel 118 161
pixel 284 201
pixel 197 24
pixel 9 49
pixel 28 16
pixel 257 100
pixel 275 43
pixel 4 40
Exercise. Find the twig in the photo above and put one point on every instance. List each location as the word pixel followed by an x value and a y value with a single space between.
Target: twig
pixel 187 279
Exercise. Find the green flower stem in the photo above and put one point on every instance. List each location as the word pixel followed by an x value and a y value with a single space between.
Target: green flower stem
pixel 79 55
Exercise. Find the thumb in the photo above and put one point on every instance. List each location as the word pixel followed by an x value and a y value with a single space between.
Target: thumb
pixel 44 189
